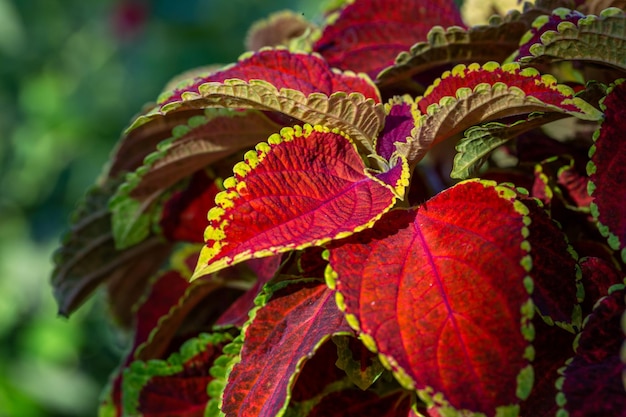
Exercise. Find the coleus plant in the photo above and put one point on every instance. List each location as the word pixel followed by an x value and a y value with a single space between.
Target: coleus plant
pixel 390 215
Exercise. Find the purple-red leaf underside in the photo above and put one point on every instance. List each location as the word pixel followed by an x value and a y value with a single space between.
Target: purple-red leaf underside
pixel 399 122
pixel 369 34
pixel 439 291
pixel 284 331
pixel 304 187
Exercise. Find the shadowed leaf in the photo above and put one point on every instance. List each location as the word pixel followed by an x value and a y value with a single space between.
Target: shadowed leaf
pixel 592 381
pixel 453 326
pixel 607 169
pixel 304 187
pixel 176 386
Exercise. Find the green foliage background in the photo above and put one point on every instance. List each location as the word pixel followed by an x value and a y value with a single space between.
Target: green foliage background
pixel 72 74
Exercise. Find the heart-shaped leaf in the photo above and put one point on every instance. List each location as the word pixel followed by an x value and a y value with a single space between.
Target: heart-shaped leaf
pixel 367 35
pixel 572 36
pixel 291 322
pixel 450 324
pixel 476 94
pixel 176 386
pixel 592 383
pixel 304 187
pixel 607 169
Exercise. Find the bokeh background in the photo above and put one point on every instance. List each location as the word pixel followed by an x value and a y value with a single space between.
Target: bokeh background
pixel 72 75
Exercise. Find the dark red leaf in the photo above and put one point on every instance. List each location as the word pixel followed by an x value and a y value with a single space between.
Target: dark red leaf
pixel 291 323
pixel 399 122
pixel 592 384
pixel 177 386
pixel 357 403
pixel 555 272
pixel 598 276
pixel 607 170
pixel 369 34
pixel 439 291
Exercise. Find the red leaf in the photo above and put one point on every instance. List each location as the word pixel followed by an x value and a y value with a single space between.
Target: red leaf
pixel 369 34
pixel 607 170
pixel 439 291
pixel 555 273
pixel 593 381
pixel 176 387
pixel 283 69
pixel 599 276
pixel 306 187
pixel 184 213
pixel 284 332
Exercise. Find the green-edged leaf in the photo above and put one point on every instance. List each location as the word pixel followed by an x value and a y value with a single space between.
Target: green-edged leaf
pixel 607 170
pixel 479 141
pixel 599 276
pixel 367 35
pixel 176 386
pixel 291 322
pixel 592 383
pixel 304 187
pixel 201 142
pixel 450 324
pixel 599 39
pixel 455 45
pixel 557 290
pixel 88 256
pixel 469 95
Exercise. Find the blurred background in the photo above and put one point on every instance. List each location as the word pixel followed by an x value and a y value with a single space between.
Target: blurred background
pixel 72 75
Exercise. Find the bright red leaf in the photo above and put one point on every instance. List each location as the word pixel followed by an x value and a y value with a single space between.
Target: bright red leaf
pixel 439 291
pixel 305 187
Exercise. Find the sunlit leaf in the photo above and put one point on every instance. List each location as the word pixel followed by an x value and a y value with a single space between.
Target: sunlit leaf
pixel 475 94
pixel 286 312
pixel 304 187
pixel 367 35
pixel 176 386
pixel 452 325
pixel 592 382
pixel 598 39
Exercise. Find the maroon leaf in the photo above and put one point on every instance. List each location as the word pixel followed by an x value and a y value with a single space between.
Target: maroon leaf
pixel 592 383
pixel 357 403
pixel 292 321
pixel 607 170
pixel 447 321
pixel 599 276
pixel 555 274
pixel 177 386
pixel 305 187
pixel 184 213
pixel 369 34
